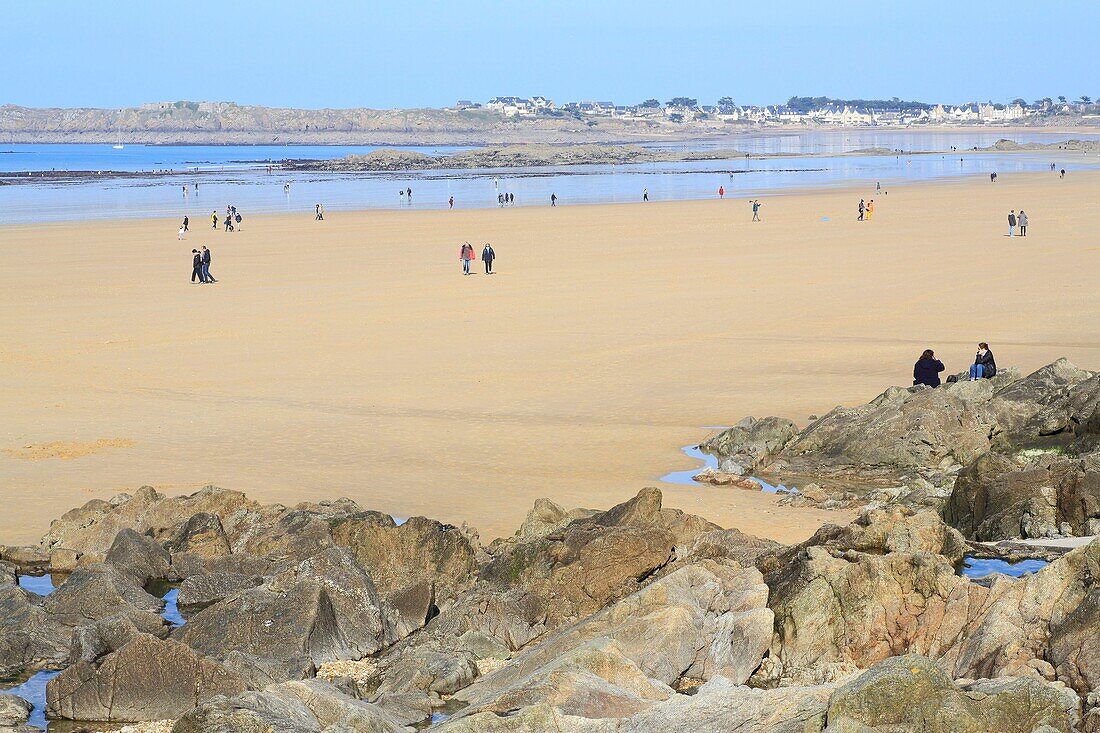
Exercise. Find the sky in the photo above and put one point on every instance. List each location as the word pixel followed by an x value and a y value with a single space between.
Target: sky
pixel 339 53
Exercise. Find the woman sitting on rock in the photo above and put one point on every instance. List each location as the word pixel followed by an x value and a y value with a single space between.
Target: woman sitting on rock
pixel 984 367
pixel 927 369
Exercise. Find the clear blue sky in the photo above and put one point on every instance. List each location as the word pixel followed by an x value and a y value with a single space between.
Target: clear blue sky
pixel 406 54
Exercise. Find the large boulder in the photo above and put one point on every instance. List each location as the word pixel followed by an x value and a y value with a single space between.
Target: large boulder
pixel 417 551
pixel 309 706
pixel 325 608
pixel 30 638
pixel 593 561
pixel 201 535
pixel 147 679
pixel 140 557
pixel 14 711
pixel 912 693
pixel 1075 645
pixel 98 637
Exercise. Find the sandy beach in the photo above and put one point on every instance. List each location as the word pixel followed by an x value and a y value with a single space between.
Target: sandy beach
pixel 350 357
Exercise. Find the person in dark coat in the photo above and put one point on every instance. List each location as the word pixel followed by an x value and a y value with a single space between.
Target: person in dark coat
pixel 196 267
pixel 984 366
pixel 927 369
pixel 207 277
pixel 487 256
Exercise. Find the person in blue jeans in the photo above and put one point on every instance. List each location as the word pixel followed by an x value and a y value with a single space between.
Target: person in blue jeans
pixel 984 366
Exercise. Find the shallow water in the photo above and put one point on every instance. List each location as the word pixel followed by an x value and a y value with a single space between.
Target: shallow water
pixel 34 692
pixel 171 612
pixel 40 584
pixel 252 190
pixel 974 567
pixel 686 478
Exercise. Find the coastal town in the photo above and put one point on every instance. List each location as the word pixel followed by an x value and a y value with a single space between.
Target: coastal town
pixel 798 110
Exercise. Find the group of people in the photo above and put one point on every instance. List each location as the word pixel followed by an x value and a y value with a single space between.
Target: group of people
pixel 866 210
pixel 927 369
pixel 200 266
pixel 1017 220
pixel 467 254
pixel 232 219
pixel 504 199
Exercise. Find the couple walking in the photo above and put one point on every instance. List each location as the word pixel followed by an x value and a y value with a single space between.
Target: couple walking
pixel 467 254
pixel 866 210
pixel 200 266
pixel 1015 220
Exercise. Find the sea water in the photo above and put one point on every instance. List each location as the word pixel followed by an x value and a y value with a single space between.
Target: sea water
pixel 238 176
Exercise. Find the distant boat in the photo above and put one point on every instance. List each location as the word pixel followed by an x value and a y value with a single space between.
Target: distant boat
pixel 120 146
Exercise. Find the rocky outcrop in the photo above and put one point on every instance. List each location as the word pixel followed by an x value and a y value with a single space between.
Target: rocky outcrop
pixel 91 529
pixel 696 622
pixel 147 679
pixel 750 444
pixel 838 611
pixel 997 497
pixel 894 529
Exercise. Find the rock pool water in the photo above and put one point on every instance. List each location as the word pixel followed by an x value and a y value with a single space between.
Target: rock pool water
pixel 34 692
pixel 40 584
pixel 687 478
pixel 171 612
pixel 978 567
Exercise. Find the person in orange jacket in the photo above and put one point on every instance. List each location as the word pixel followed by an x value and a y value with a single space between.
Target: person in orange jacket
pixel 721 192
pixel 466 254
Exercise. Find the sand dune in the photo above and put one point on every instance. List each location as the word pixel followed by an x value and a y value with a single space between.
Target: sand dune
pixel 350 357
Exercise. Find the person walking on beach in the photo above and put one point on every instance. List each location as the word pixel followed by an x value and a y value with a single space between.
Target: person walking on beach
pixel 993 177
pixel 451 202
pixel 756 210
pixel 1011 222
pixel 196 267
pixel 214 219
pixel 181 233
pixel 1062 174
pixel 500 200
pixel 878 187
pixel 984 366
pixel 237 218
pixel 511 199
pixel 645 194
pixel 870 209
pixel 487 256
pixel 185 222
pixel 466 254
pixel 553 199
pixel 206 276
pixel 1021 220
pixel 927 369
pixel 409 194
pixel 721 192
pixel 318 212
pixel 228 222
pixel 862 210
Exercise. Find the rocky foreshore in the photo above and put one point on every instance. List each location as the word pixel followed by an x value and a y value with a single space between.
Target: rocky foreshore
pixel 328 617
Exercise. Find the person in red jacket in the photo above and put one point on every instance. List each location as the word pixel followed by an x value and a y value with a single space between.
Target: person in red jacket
pixel 721 192
pixel 466 254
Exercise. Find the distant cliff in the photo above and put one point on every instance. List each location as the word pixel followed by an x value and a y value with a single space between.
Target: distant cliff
pixel 229 123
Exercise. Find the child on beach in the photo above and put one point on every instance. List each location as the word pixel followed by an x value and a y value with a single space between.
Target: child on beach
pixel 756 210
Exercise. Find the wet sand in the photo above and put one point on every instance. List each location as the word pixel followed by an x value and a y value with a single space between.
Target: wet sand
pixel 351 357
